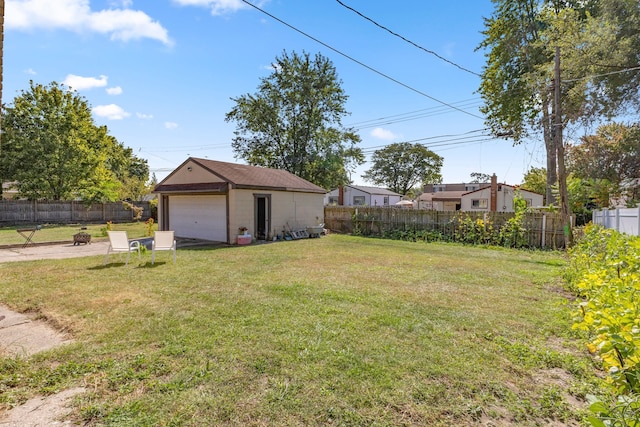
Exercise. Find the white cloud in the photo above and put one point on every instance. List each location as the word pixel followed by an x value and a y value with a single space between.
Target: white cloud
pixel 76 15
pixel 170 125
pixel 449 49
pixel 116 90
pixel 219 7
pixel 81 83
pixel 111 112
pixel 144 116
pixel 121 3
pixel 387 135
pixel 30 71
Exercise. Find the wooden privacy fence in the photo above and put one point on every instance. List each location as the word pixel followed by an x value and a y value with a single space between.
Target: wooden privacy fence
pixel 37 212
pixel 542 230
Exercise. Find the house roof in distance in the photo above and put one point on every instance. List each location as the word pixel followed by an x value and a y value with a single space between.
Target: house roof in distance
pixel 374 190
pixel 245 176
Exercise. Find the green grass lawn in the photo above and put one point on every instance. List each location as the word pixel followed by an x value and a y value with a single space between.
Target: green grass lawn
pixel 60 233
pixel 333 331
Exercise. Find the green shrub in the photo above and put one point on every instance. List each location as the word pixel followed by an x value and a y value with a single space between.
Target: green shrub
pixel 604 271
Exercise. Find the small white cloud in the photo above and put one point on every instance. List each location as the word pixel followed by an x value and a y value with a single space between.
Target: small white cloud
pixel 449 49
pixel 380 133
pixel 219 7
pixel 121 3
pixel 30 71
pixel 170 125
pixel 76 15
pixel 111 112
pixel 117 90
pixel 144 116
pixel 81 83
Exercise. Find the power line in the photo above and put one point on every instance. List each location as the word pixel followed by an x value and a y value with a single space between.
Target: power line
pixel 399 118
pixel 380 73
pixel 409 41
pixel 454 139
pixel 601 75
pixel 448 145
pixel 464 101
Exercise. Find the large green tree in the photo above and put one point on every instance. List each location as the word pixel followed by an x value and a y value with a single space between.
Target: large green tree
pixel 517 99
pixel 53 150
pixel 549 64
pixel 401 166
pixel 612 153
pixel 606 161
pixel 293 122
pixel 596 39
pixel 535 180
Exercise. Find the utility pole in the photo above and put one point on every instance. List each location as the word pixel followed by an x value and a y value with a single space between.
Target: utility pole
pixel 565 212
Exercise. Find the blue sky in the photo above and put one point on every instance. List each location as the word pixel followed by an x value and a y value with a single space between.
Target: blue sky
pixel 160 74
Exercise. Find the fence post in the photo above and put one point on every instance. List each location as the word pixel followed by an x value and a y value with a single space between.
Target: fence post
pixel 617 219
pixel 543 241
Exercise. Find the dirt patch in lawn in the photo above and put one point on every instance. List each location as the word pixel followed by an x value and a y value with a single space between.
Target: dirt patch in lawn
pixel 23 336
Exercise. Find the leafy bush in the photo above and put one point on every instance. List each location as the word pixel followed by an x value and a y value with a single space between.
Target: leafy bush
pixel 137 210
pixel 476 232
pixel 604 271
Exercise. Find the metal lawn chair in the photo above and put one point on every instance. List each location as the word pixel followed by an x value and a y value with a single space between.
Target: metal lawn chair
pixel 163 241
pixel 119 242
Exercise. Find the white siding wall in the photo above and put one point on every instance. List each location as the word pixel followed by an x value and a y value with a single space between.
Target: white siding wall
pixel 504 199
pixel 351 193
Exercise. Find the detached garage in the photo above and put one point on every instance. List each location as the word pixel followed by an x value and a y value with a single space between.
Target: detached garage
pixel 212 200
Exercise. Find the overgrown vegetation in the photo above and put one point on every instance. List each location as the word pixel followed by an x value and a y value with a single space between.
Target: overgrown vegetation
pixel 605 272
pixel 464 229
pixel 339 330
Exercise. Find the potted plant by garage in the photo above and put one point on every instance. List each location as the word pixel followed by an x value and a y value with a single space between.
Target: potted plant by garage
pixel 244 238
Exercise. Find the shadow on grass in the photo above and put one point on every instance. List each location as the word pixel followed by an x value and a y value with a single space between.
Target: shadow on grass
pixel 105 266
pixel 149 265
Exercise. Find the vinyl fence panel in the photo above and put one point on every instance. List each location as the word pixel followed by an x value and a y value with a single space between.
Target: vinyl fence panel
pixel 624 220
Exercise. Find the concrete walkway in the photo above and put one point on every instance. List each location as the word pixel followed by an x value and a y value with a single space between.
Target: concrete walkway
pixel 52 251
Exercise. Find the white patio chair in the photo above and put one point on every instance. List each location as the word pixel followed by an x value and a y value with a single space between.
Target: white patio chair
pixel 163 241
pixel 119 242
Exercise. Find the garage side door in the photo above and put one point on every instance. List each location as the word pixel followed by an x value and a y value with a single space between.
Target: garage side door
pixel 199 217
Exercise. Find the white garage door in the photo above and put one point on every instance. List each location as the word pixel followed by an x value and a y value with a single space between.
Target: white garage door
pixel 199 217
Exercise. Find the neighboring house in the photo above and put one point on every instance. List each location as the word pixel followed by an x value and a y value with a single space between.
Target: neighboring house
pixel 491 197
pixel 358 195
pixel 212 200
